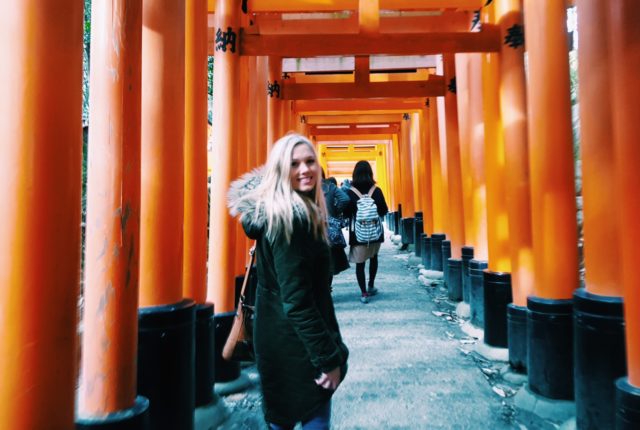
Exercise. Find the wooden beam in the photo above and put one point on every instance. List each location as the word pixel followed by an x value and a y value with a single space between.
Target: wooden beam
pixel 342 64
pixel 353 130
pixel 352 137
pixel 448 21
pixel 351 119
pixel 340 5
pixel 304 107
pixel 313 45
pixel 430 88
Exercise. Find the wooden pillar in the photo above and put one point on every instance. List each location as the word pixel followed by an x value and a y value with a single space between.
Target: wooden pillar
pixel 194 276
pixel 253 114
pixel 274 102
pixel 553 203
pixel 260 99
pixel 438 177
pixel 40 171
pixel 425 172
pixel 513 113
pixel 406 174
pixel 464 138
pixel 110 324
pixel 397 178
pixel 162 201
pixel 454 175
pixel 241 167
pixel 220 289
pixel 487 65
pixel 601 235
pixel 416 160
pixel 625 62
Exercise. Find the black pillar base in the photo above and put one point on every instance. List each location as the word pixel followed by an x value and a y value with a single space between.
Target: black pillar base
pixel 225 371
pixel 436 251
pixel 417 232
pixel 627 405
pixel 517 337
pixel 599 351
pixel 166 364
pixel 205 353
pixel 467 255
pixel 550 344
pixel 454 279
pixel 426 251
pixel 446 255
pixel 396 223
pixel 476 292
pixel 407 230
pixel 497 295
pixel 134 418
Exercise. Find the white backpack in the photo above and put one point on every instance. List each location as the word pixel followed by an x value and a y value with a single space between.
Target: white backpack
pixel 367 225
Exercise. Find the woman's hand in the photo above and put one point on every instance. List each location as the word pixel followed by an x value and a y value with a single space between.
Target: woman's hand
pixel 330 380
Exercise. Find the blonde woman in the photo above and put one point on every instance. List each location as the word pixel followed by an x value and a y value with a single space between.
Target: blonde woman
pixel 300 355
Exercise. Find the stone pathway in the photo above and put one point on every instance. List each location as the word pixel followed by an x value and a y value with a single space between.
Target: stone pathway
pixel 411 365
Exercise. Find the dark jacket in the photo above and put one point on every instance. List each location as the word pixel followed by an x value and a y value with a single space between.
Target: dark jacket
pixel 296 334
pixel 337 200
pixel 352 209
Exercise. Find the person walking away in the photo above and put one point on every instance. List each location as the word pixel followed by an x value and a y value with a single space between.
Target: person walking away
pixel 367 206
pixel 300 355
pixel 336 201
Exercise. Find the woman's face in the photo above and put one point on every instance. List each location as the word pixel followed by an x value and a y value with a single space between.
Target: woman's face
pixel 304 169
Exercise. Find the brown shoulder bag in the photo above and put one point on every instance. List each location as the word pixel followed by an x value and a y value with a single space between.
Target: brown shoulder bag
pixel 239 344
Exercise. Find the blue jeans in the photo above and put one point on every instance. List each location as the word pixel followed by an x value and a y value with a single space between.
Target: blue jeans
pixel 320 420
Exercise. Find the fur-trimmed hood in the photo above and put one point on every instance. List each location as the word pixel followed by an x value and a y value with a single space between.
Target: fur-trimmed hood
pixel 242 204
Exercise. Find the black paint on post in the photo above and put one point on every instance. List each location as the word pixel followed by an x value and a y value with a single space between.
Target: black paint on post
pixel 417 231
pixel 407 230
pixel 225 371
pixel 517 335
pixel 134 418
pixel 497 296
pixel 599 357
pixel 426 251
pixel 550 346
pixel 627 405
pixel 446 255
pixel 205 353
pixel 436 251
pixel 476 292
pixel 166 364
pixel 454 279
pixel 467 255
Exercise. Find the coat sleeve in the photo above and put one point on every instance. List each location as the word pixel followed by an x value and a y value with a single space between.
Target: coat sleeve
pixel 381 203
pixel 341 201
pixel 293 265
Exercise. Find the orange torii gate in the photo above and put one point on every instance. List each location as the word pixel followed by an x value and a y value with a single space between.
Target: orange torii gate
pixel 146 222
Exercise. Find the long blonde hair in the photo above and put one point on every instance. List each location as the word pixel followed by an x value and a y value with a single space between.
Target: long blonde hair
pixel 279 202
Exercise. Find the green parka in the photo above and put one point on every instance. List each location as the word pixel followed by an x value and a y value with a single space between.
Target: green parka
pixel 296 334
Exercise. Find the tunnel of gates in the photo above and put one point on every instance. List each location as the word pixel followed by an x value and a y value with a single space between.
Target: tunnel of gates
pixel 469 146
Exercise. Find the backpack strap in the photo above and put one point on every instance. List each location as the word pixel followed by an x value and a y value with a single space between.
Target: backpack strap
pixel 371 190
pixel 356 192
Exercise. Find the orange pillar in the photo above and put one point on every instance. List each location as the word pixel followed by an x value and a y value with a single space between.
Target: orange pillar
pixel 162 202
pixel 438 178
pixel 274 102
pixel 416 160
pixel 110 341
pixel 261 105
pixel 425 172
pixel 497 249
pixel 397 179
pixel 252 113
pixel 454 175
pixel 625 62
pixel 464 138
pixel 513 113
pixel 40 171
pixel 601 236
pixel 242 120
pixel 194 276
pixel 406 176
pixel 225 104
pixel 553 203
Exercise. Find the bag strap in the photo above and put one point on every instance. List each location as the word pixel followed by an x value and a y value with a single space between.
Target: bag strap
pixel 371 190
pixel 245 281
pixel 356 192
